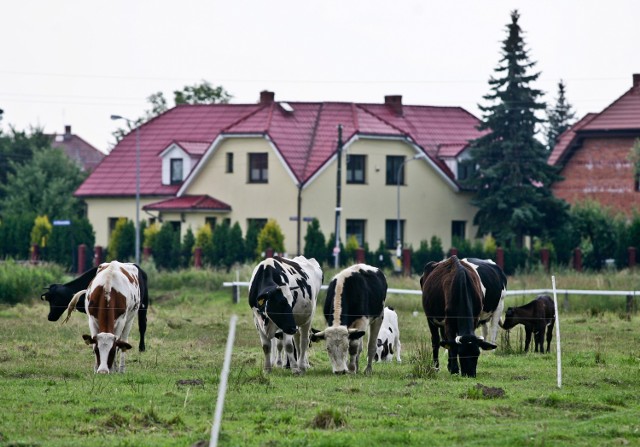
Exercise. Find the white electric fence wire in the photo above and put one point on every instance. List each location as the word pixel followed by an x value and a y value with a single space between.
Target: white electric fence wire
pixel 558 352
pixel 222 388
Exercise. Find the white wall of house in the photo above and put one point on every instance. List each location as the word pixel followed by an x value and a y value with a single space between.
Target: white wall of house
pixel 428 203
pixel 100 210
pixel 276 199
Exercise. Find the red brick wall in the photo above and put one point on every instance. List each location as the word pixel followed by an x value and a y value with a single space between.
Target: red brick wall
pixel 600 170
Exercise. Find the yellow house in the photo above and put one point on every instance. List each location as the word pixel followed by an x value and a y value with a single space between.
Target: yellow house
pixel 401 167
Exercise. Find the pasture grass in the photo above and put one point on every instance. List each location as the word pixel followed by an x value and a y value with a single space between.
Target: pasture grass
pixel 49 395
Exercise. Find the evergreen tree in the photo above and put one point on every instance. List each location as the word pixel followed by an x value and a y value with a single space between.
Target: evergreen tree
pixel 560 117
pixel 122 244
pixel 314 242
pixel 166 247
pixel 512 182
pixel 186 250
pixel 220 243
pixel 235 247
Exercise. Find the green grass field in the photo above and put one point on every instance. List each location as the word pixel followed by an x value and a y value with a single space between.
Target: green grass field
pixel 49 395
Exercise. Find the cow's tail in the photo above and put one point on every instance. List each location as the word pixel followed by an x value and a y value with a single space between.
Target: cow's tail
pixel 461 292
pixel 72 305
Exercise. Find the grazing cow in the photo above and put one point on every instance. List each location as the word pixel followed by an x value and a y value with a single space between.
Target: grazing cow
pixel 59 296
pixel 452 299
pixel 355 301
pixel 494 287
pixel 282 295
pixel 111 302
pixel 388 341
pixel 537 317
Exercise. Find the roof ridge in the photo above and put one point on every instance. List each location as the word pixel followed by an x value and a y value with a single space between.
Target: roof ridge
pixel 598 115
pixel 270 116
pixel 312 140
pixel 375 115
pixel 242 118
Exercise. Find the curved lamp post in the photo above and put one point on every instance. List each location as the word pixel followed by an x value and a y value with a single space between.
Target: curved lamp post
pixel 398 238
pixel 131 124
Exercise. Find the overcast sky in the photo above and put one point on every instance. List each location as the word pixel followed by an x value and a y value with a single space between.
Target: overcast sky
pixel 76 62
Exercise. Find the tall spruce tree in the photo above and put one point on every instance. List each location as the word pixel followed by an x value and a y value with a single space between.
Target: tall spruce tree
pixel 560 117
pixel 512 182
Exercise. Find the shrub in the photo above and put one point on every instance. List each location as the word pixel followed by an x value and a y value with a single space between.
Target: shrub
pixel 20 283
pixel 122 244
pixel 314 242
pixel 270 236
pixel 166 248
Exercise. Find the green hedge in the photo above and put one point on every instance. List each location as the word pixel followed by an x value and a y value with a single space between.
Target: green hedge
pixel 25 282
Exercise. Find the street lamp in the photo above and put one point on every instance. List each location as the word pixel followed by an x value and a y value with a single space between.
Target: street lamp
pixel 131 124
pixel 398 239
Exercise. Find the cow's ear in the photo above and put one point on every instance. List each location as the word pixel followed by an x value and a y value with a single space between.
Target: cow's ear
pixel 123 345
pixel 316 336
pixel 486 346
pixel 356 335
pixel 88 339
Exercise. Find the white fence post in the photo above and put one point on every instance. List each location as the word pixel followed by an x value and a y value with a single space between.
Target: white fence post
pixel 558 353
pixel 222 388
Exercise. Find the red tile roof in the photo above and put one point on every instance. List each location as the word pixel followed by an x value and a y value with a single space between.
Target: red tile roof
pixel 621 115
pixel 87 156
pixel 305 137
pixel 188 203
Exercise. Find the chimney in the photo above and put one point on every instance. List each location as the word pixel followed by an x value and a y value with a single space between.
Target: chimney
pixel 67 132
pixel 636 79
pixel 394 102
pixel 266 97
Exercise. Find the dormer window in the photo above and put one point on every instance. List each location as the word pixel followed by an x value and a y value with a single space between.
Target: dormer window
pixel 176 170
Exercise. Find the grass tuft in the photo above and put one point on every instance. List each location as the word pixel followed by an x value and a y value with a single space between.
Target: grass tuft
pixel 328 419
pixel 421 361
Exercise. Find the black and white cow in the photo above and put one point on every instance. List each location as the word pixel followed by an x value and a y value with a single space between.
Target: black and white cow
pixel 537 317
pixel 283 294
pixel 355 301
pixel 59 296
pixel 452 299
pixel 494 287
pixel 388 342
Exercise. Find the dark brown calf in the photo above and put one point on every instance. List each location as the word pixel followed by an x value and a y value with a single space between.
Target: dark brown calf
pixel 537 317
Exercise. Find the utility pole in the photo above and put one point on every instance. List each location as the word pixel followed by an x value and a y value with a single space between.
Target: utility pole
pixel 336 248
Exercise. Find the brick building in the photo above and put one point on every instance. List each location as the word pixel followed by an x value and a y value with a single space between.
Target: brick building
pixel 594 155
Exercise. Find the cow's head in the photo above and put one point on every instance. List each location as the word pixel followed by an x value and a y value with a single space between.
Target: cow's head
pixel 340 343
pixel 104 346
pixel 276 306
pixel 58 298
pixel 509 321
pixel 383 349
pixel 467 348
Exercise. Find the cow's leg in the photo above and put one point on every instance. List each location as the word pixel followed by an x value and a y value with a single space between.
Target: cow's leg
pixel 549 335
pixel 435 343
pixel 266 349
pixel 302 338
pixel 142 326
pixel 452 361
pixel 374 330
pixel 495 321
pixel 291 353
pixel 527 340
pixel 355 348
pixel 398 347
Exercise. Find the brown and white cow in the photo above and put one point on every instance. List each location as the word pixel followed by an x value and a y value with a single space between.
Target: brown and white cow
pixel 112 300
